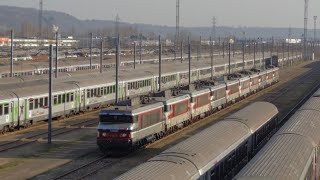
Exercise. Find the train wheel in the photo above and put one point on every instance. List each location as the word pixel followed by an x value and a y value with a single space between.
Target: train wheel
pixel 5 129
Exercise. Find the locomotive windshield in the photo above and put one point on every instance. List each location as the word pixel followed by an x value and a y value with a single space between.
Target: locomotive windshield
pixel 116 119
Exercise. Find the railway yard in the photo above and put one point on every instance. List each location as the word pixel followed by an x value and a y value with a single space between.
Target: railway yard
pixel 87 94
pixel 74 153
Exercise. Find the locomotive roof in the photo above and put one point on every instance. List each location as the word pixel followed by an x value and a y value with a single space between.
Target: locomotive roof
pixel 172 99
pixel 196 92
pixel 131 110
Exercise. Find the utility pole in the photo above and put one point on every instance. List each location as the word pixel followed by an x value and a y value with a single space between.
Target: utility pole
pixel 11 53
pixel 91 44
pixel 57 44
pixel 211 55
pixel 315 34
pixel 140 48
pixel 40 18
pixel 181 51
pixel 189 59
pixel 101 54
pixel 160 61
pixel 117 66
pixel 177 37
pixel 134 55
pixel 116 26
pixel 254 54
pixel 229 52
pixel 305 34
pixel 200 49
pixel 243 51
pixel 50 95
pixel 223 49
pixel 214 23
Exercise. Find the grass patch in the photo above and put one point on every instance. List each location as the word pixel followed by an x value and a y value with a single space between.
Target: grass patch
pixel 11 164
pixel 87 137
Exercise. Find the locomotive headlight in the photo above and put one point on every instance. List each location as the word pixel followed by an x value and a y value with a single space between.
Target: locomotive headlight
pixel 123 135
pixel 104 134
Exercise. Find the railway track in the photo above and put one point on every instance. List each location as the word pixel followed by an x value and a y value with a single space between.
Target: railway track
pixel 43 135
pixel 101 163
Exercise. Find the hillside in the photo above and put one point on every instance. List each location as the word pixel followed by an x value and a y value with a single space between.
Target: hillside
pixel 26 19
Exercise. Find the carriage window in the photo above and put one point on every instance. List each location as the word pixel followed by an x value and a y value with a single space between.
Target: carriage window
pixel 88 93
pixel 1 110
pixel 36 103
pixel 101 91
pixel 46 101
pixel 30 105
pixel 114 89
pixel 203 100
pixel 92 92
pixel 68 97
pixel 71 97
pixel 6 109
pixel 63 98
pixel 55 100
pixel 151 119
pixel 41 102
pixel 105 90
pixel 180 108
pixel 59 99
pixel 95 92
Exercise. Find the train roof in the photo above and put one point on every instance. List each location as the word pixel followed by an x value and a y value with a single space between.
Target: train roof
pixel 312 104
pixel 317 94
pixel 196 92
pixel 157 168
pixel 131 110
pixel 211 145
pixel 305 123
pixel 255 115
pixel 42 89
pixel 284 157
pixel 172 99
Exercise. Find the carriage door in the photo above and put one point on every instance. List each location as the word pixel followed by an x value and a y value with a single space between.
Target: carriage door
pixel 83 99
pixel 12 113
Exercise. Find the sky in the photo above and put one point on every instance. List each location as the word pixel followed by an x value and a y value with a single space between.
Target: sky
pixel 193 13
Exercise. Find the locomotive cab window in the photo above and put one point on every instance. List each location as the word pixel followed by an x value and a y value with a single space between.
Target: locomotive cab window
pixel 115 119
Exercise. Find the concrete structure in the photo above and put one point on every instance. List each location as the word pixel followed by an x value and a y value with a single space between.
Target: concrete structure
pixel 66 42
